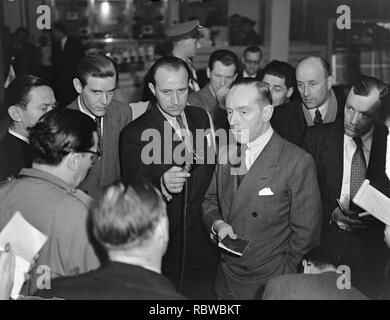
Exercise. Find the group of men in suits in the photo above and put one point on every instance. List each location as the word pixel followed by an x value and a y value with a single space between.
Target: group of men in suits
pixel 261 187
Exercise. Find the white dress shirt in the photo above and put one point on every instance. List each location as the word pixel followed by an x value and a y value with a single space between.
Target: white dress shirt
pixel 19 136
pixel 349 150
pixel 388 155
pixel 87 112
pixel 246 75
pixel 255 147
pixel 322 109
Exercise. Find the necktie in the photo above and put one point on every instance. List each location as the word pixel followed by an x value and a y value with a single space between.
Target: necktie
pixel 318 117
pixel 242 154
pixel 358 172
pixel 99 132
pixel 184 135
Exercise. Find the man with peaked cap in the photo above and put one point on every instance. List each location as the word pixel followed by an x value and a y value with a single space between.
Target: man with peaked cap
pixel 183 38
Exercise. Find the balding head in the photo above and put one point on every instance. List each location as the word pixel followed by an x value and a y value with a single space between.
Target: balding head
pixel 314 81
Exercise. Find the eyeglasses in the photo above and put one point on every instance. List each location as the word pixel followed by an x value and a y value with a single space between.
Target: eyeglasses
pixel 95 155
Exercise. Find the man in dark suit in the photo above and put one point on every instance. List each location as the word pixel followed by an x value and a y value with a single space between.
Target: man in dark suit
pixel 160 145
pixel 222 71
pixel 27 98
pixel 320 280
pixel 131 224
pixel 251 62
pixel 272 199
pixel 95 82
pixel 67 51
pixel 318 104
pixel 345 155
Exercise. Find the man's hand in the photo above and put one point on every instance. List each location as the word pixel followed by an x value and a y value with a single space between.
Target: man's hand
pixel 174 179
pixel 221 95
pixel 7 271
pixel 347 221
pixel 222 229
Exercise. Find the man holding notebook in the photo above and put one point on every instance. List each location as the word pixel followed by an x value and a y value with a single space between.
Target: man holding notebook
pixel 345 156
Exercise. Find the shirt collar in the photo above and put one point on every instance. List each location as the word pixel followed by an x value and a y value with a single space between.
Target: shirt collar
pixel 19 136
pixel 366 139
pixel 260 142
pixel 83 109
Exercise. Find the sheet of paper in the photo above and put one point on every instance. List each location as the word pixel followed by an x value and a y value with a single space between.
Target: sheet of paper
pixel 373 201
pixel 25 239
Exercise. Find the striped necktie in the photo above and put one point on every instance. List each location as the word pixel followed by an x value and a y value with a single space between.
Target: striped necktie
pixel 358 172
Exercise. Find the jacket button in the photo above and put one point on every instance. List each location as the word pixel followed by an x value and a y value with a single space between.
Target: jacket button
pixel 254 214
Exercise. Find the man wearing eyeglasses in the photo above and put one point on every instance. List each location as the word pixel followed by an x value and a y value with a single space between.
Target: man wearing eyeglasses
pixel 95 83
pixel 27 98
pixel 251 62
pixel 63 147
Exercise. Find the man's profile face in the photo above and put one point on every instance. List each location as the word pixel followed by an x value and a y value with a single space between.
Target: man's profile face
pixel 171 90
pixel 97 94
pixel 360 113
pixel 313 83
pixel 246 116
pixel 40 100
pixel 279 91
pixel 252 62
pixel 190 45
pixel 221 76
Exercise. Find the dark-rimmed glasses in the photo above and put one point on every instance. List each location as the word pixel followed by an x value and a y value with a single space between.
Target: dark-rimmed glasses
pixel 95 155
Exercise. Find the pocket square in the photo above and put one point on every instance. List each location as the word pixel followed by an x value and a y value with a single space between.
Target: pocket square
pixel 266 192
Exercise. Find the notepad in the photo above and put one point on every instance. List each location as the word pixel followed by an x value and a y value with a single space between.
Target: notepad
pixel 236 246
pixel 26 241
pixel 373 201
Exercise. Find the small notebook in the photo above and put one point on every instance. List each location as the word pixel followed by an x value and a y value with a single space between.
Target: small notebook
pixel 236 246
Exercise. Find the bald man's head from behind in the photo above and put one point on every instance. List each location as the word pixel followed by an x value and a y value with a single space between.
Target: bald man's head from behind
pixel 314 81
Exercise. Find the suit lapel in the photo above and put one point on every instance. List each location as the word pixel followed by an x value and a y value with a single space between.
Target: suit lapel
pixel 259 176
pixel 333 158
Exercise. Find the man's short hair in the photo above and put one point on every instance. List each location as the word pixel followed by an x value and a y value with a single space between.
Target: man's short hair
pixel 364 85
pixel 281 70
pixel 263 92
pixel 127 214
pixel 17 93
pixel 226 57
pixel 60 132
pixel 254 49
pixel 169 62
pixel 324 63
pixel 322 257
pixel 95 65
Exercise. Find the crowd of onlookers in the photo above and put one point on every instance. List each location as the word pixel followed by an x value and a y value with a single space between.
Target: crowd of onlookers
pixel 140 208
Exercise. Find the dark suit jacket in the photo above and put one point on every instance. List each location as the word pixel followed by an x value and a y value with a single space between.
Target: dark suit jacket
pixel 64 69
pixel 321 286
pixel 281 226
pixel 259 75
pixel 107 169
pixel 113 281
pixel 199 250
pixel 326 144
pixel 289 120
pixel 15 154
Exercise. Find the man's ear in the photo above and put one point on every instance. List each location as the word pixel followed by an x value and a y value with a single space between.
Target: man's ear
pixel 330 82
pixel 15 113
pixel 152 88
pixel 77 85
pixel 267 113
pixel 208 72
pixel 290 92
pixel 72 161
